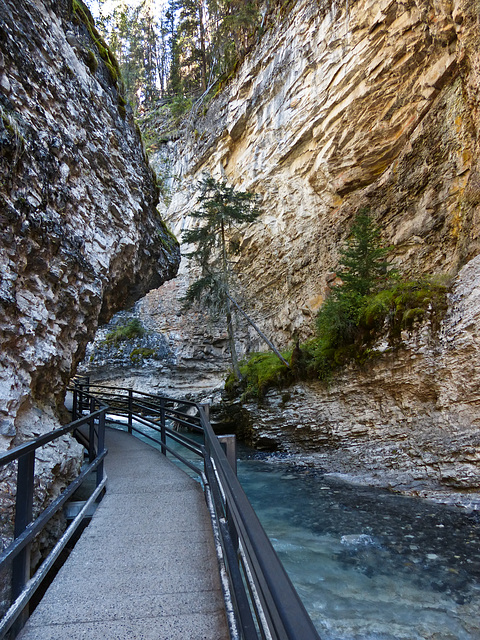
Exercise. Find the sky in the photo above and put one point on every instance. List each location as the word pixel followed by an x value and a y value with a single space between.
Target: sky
pixel 110 5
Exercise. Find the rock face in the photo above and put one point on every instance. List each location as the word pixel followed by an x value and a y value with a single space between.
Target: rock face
pixel 407 420
pixel 81 237
pixel 372 103
pixel 80 234
pixel 188 355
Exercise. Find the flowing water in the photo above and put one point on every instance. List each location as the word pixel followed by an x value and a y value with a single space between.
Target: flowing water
pixel 369 564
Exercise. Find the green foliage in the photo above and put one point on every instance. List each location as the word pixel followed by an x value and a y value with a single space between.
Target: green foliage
pixel 138 355
pixel 221 210
pixel 122 333
pixel 363 259
pixel 363 271
pixel 346 332
pixel 180 105
pixel 169 239
pixel 261 372
pixel 371 301
pixel 403 304
pixel 208 40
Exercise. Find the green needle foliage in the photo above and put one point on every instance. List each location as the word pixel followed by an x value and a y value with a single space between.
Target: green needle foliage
pixel 221 210
pixel 371 301
pixel 363 270
pixel 363 264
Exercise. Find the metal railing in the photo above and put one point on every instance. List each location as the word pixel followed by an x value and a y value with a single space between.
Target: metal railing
pixel 16 557
pixel 261 600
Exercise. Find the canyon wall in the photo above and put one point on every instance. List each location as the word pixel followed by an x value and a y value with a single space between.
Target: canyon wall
pixel 80 234
pixel 407 419
pixel 371 103
pixel 368 103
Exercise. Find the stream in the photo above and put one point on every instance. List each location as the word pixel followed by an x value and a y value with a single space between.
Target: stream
pixel 368 564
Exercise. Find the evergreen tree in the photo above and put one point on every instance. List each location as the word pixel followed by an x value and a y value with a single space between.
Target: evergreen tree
pixel 181 52
pixel 362 261
pixel 363 270
pixel 134 34
pixel 221 210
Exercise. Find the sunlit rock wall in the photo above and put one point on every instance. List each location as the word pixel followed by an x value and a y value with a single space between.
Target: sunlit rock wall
pixel 370 103
pixel 344 105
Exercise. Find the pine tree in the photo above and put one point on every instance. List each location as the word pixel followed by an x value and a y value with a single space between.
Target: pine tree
pixel 133 34
pixel 362 261
pixel 221 210
pixel 363 270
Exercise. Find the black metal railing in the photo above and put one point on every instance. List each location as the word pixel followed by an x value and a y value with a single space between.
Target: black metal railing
pixel 261 600
pixel 16 557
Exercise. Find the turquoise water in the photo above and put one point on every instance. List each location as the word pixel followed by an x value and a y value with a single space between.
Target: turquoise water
pixel 369 565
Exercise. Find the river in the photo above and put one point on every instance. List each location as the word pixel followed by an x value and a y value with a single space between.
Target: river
pixel 368 564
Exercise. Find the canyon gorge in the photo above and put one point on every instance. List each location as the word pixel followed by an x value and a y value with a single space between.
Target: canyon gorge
pixel 338 107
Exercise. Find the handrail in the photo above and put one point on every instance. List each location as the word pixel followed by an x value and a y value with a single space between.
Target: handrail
pixel 265 603
pixel 17 554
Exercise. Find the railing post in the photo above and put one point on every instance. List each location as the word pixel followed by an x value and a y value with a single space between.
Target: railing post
pixel 23 516
pixel 130 409
pixel 163 433
pixel 206 408
pixel 229 443
pixel 91 434
pixel 82 399
pixel 75 404
pixel 101 446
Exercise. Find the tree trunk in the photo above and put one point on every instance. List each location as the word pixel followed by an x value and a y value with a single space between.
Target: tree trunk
pixel 230 331
pixel 231 344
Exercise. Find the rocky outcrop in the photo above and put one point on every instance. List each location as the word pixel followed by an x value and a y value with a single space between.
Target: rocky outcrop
pixel 80 234
pixel 187 353
pixel 372 103
pixel 81 237
pixel 407 420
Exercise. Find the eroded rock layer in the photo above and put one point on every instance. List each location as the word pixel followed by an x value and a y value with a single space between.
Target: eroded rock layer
pixel 372 103
pixel 81 237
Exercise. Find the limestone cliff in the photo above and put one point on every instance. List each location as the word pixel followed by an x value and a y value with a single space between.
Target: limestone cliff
pixel 367 103
pixel 80 234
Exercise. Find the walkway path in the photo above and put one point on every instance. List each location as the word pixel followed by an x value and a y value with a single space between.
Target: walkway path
pixel 145 568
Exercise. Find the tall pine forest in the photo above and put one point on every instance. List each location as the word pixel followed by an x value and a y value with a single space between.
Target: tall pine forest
pixel 183 51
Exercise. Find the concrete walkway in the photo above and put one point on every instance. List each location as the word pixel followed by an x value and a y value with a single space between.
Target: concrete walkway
pixel 145 568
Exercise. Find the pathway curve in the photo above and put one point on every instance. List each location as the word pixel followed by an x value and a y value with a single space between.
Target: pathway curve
pixel 145 568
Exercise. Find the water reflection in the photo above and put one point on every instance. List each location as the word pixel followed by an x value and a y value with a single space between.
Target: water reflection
pixel 369 564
